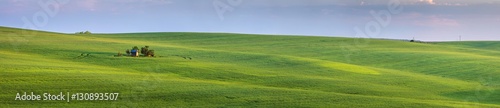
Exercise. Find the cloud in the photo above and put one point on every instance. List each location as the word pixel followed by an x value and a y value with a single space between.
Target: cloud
pixel 362 3
pixel 17 6
pixel 291 3
pixel 161 2
pixel 117 5
pixel 418 19
pixel 156 2
pixel 431 2
pixel 286 3
pixel 443 3
pixel 90 5
pixel 439 21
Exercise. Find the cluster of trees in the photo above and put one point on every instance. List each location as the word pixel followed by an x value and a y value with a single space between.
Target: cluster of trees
pixel 85 32
pixel 417 41
pixel 144 51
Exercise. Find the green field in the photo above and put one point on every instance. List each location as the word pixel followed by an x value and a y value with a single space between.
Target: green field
pixel 234 70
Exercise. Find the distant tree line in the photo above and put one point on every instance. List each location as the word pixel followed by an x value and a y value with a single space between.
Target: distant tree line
pixel 83 32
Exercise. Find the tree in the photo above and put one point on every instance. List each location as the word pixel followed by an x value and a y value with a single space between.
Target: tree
pixel 144 50
pixel 87 32
pixel 150 53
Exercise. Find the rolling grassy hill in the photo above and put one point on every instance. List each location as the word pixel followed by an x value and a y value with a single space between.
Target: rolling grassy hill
pixel 227 70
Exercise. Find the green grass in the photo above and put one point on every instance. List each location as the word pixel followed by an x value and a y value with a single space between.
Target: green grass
pixel 234 70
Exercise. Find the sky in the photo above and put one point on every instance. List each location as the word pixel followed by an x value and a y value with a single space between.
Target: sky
pixel 427 20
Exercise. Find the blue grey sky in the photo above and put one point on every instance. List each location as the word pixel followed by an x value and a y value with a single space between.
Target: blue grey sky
pixel 429 20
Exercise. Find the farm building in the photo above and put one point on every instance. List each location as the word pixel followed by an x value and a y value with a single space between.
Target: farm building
pixel 145 52
pixel 134 53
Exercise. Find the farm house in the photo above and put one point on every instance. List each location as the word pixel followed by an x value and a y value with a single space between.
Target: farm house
pixel 144 52
pixel 134 53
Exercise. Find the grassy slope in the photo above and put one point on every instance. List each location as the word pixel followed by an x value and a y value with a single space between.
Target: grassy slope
pixel 248 70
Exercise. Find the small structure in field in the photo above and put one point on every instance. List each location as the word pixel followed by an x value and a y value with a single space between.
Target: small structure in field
pixel 134 53
pixel 144 52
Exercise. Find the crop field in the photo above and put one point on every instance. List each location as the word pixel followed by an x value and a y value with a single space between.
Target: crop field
pixel 247 70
